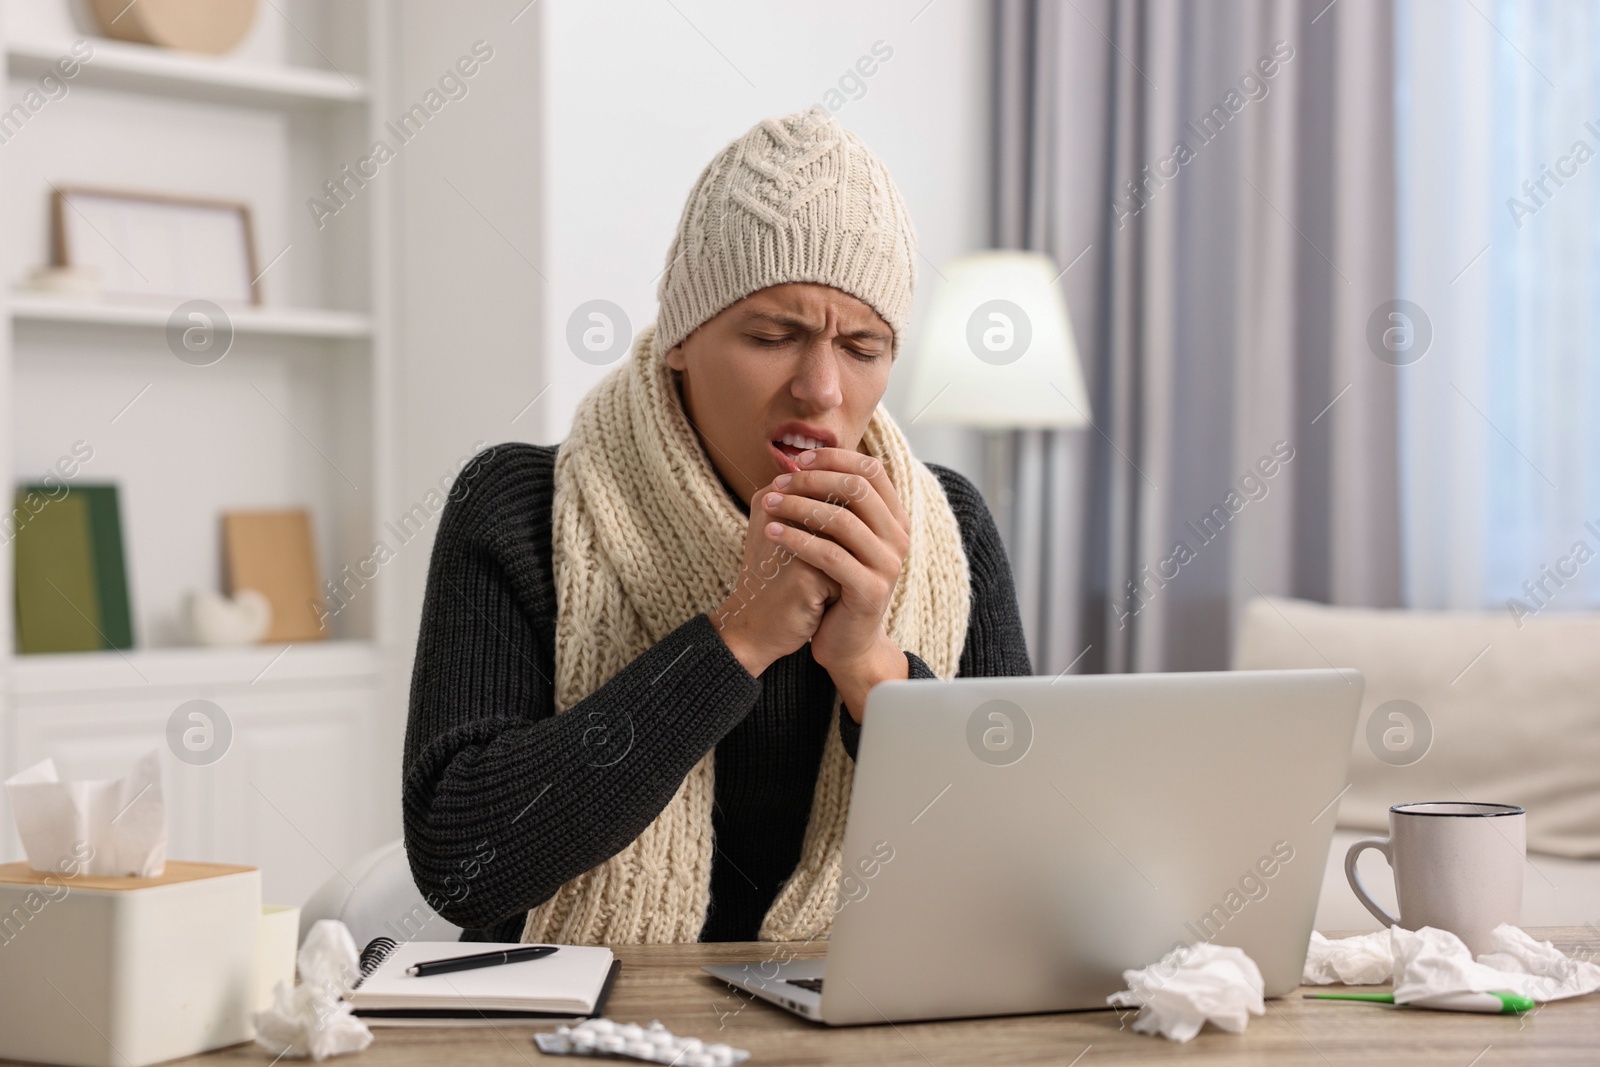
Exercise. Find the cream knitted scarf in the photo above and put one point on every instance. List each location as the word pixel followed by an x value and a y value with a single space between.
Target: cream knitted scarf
pixel 644 538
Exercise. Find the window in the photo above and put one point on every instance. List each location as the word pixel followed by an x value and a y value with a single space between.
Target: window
pixel 1498 152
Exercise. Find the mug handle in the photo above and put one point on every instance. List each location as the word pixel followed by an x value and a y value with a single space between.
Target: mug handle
pixel 1382 845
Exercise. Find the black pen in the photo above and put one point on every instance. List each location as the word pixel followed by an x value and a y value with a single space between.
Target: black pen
pixel 482 959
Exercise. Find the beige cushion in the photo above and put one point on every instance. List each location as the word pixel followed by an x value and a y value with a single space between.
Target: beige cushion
pixel 1515 711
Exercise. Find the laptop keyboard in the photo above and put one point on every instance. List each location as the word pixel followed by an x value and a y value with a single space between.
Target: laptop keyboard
pixel 813 984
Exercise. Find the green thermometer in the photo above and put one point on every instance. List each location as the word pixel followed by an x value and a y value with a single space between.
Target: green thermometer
pixel 1486 1003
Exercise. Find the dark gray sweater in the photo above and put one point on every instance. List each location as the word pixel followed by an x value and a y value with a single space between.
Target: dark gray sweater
pixel 504 800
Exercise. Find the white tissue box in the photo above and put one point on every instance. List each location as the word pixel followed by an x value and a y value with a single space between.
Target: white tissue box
pixel 122 972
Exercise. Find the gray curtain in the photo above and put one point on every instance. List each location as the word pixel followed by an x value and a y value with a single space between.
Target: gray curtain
pixel 1217 180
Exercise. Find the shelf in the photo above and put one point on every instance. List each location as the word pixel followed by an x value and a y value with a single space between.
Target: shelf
pixel 142 68
pixel 146 669
pixel 282 322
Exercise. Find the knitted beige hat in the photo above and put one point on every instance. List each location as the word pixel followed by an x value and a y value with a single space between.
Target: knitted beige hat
pixel 796 199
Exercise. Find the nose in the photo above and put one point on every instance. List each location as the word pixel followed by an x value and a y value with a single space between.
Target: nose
pixel 816 382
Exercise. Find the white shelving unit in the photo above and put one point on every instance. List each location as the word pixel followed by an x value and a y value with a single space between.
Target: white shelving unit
pixel 137 68
pixel 310 323
pixel 68 674
pixel 299 413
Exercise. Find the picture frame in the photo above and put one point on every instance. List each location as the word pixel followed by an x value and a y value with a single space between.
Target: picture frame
pixel 147 245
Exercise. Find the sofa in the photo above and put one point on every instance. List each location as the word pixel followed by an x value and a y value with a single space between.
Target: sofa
pixel 1458 705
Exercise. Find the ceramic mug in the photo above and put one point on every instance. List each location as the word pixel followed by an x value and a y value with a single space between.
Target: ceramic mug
pixel 1457 867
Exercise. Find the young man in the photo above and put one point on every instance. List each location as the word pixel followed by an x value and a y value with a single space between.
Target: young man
pixel 644 655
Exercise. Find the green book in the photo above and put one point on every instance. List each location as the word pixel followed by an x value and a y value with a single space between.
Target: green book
pixel 72 576
pixel 110 566
pixel 58 597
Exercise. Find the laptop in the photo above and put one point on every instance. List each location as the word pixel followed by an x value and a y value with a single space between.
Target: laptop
pixel 1014 844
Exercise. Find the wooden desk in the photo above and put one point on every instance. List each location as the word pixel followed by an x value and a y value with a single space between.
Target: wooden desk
pixel 664 982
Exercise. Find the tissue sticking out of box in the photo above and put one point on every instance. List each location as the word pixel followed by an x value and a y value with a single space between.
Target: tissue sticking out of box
pixel 114 828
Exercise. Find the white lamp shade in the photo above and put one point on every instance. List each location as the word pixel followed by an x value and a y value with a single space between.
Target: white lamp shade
pixel 997 349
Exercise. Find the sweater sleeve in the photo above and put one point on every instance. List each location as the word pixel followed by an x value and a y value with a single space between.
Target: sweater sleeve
pixel 995 646
pixel 503 800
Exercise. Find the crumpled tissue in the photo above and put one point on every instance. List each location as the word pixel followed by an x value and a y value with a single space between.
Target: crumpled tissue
pixel 314 1019
pixel 1430 962
pixel 1190 986
pixel 111 827
pixel 1366 959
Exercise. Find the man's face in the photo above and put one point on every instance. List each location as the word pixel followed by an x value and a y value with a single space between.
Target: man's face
pixel 786 368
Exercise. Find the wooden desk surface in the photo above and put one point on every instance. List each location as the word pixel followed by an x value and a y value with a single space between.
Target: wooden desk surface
pixel 664 982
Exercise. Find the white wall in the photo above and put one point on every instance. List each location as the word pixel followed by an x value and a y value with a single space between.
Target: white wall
pixel 468 301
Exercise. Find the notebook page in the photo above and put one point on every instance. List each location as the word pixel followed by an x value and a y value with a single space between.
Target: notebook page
pixel 569 980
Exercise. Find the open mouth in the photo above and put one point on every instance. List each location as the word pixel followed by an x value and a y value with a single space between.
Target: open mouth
pixel 788 447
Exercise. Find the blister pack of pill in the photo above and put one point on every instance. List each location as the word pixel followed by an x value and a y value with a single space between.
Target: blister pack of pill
pixel 650 1044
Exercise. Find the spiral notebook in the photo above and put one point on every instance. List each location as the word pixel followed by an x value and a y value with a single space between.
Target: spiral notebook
pixel 571 983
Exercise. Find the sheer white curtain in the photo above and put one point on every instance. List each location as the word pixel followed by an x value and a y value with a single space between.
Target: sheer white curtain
pixel 1498 146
